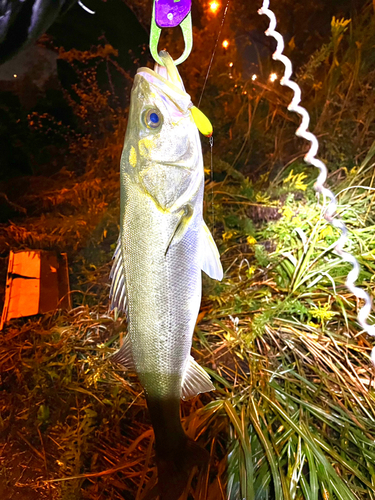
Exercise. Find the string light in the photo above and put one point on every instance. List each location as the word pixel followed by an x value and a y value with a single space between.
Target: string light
pixel 14 76
pixel 225 44
pixel 273 77
pixel 231 65
pixel 85 8
pixel 214 7
pixel 254 77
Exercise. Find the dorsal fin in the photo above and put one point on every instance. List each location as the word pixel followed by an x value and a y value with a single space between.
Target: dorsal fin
pixel 117 293
pixel 195 380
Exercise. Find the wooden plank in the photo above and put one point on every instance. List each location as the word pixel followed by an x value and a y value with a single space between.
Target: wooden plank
pixel 37 283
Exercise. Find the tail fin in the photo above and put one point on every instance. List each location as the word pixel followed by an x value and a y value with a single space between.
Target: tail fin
pixel 174 470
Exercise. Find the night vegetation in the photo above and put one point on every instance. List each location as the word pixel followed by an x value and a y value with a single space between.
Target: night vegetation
pixel 293 414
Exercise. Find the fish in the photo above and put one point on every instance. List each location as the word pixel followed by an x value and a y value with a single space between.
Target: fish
pixel 23 22
pixel 164 245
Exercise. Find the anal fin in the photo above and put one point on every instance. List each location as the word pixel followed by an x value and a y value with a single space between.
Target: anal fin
pixel 195 380
pixel 124 355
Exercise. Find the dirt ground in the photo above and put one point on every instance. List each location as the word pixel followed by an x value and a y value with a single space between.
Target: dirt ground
pixel 23 474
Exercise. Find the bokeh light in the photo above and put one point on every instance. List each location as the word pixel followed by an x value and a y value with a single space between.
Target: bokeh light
pixel 225 44
pixel 214 7
pixel 273 77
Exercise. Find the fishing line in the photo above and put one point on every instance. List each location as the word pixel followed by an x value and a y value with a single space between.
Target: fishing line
pixel 213 52
pixel 211 141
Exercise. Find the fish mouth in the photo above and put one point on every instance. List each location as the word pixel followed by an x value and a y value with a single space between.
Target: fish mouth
pixel 169 70
pixel 167 78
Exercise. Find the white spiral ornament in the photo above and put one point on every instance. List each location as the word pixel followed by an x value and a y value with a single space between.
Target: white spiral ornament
pixel 310 158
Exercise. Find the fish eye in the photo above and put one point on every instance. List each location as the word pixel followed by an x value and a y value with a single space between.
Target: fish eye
pixel 152 118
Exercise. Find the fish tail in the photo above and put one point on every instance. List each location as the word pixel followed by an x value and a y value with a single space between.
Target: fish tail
pixel 174 469
pixel 176 454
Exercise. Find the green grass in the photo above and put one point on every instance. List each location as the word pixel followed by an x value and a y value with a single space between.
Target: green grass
pixel 293 413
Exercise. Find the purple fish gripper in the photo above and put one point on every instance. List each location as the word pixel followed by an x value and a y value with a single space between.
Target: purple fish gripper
pixel 171 13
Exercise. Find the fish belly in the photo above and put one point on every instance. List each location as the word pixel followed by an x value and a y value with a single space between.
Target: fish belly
pixel 163 290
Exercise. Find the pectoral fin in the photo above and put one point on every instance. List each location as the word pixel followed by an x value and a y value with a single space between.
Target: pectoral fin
pixel 195 380
pixel 124 355
pixel 210 256
pixel 117 293
pixel 181 226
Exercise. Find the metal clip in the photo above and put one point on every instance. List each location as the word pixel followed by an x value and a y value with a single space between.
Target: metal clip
pixel 169 14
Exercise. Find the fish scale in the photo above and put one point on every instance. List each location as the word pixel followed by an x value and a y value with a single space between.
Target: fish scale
pixel 160 291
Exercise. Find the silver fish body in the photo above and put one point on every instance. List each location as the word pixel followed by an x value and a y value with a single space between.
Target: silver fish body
pixel 164 245
pixel 163 283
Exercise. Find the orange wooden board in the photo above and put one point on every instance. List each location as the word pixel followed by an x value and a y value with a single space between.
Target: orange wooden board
pixel 37 282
